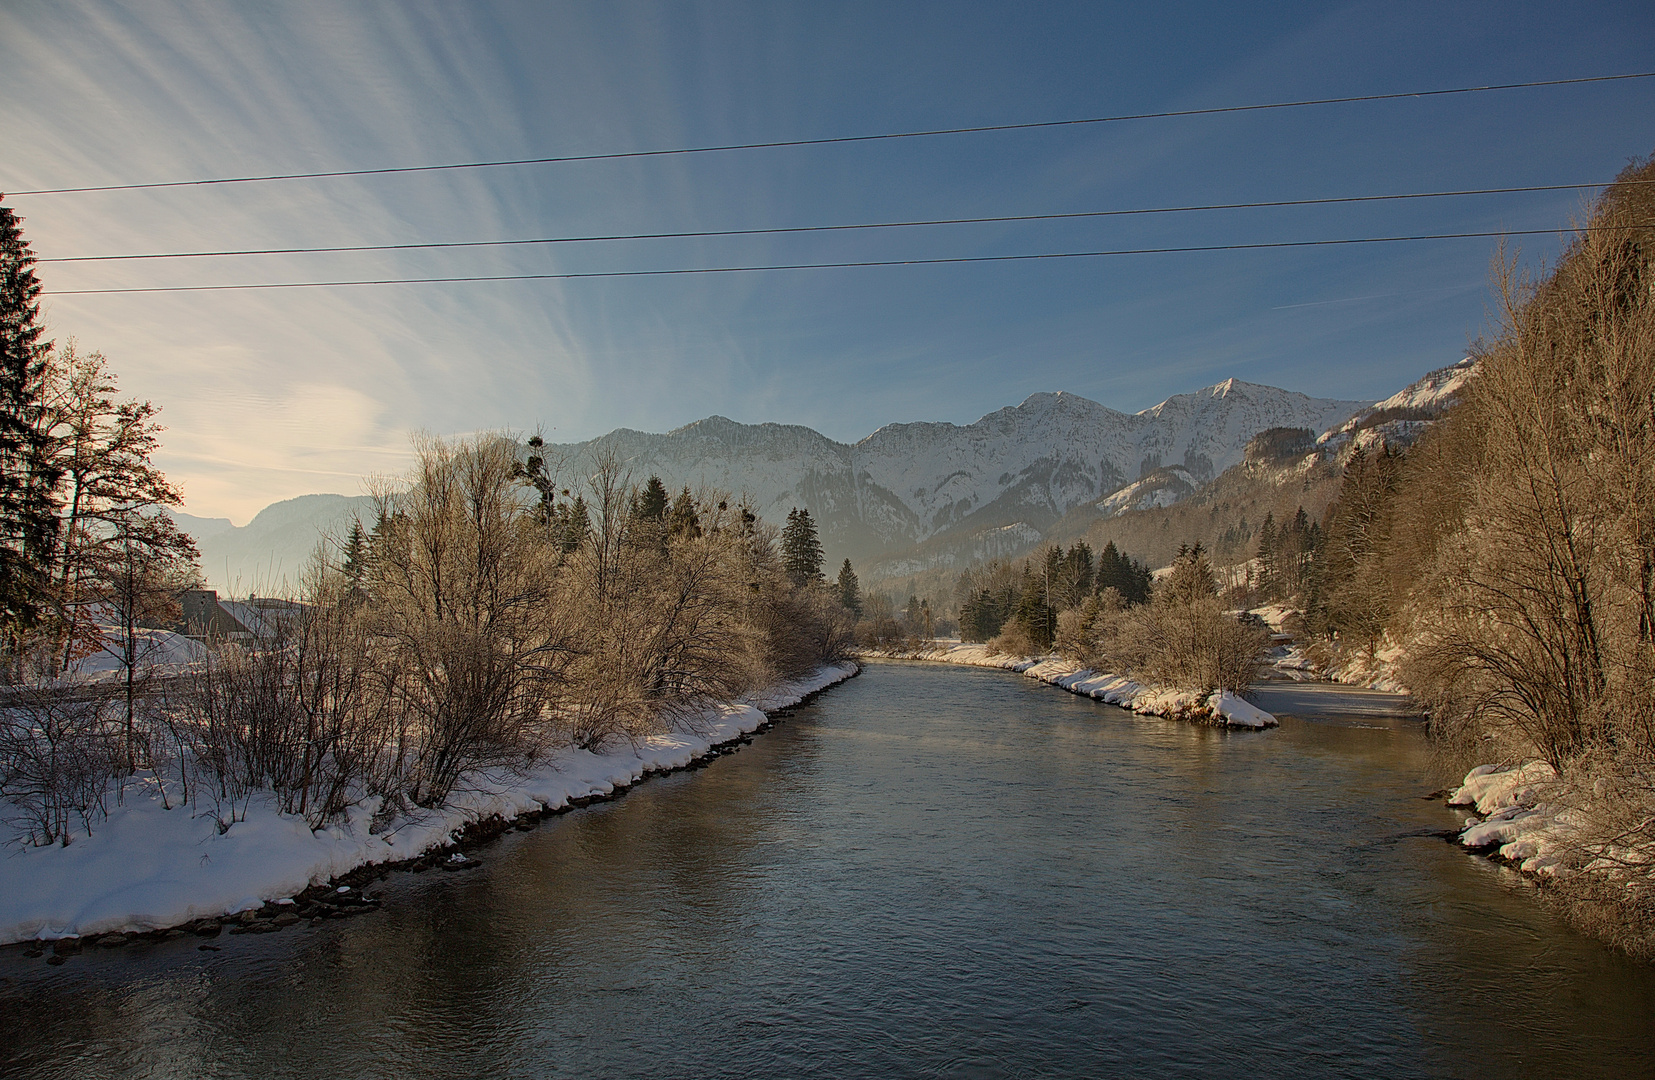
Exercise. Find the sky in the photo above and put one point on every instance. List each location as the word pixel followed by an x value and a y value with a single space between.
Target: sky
pixel 269 394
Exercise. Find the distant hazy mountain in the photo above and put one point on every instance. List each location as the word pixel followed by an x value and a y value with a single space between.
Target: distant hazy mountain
pixel 908 496
pixel 266 556
pixel 963 492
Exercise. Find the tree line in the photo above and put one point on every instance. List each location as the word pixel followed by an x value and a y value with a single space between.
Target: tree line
pixel 1507 559
pixel 501 605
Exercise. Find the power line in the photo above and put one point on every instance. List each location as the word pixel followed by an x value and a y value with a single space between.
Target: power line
pixel 834 140
pixel 1004 218
pixel 686 271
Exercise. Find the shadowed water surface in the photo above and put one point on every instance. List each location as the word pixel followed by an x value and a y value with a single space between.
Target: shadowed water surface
pixel 930 871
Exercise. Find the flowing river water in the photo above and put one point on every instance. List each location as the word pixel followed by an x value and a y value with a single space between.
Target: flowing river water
pixel 930 870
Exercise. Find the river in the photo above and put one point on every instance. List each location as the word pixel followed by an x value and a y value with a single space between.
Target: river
pixel 930 870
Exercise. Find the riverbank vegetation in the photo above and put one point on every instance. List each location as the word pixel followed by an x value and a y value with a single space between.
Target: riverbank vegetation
pixel 500 607
pixel 1500 560
pixel 482 622
pixel 1511 554
pixel 1105 613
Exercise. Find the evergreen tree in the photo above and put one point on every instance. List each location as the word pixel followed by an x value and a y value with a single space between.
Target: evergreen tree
pixel 1073 582
pixel 683 520
pixel 1127 576
pixel 572 525
pixel 1269 572
pixel 1034 613
pixel 982 616
pixel 1350 595
pixel 801 550
pixel 355 566
pixel 1191 578
pixel 850 592
pixel 28 481
pixel 650 504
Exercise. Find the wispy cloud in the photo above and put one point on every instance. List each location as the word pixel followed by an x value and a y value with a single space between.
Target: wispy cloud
pixel 270 395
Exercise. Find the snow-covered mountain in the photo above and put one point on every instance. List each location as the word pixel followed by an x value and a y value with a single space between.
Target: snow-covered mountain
pixel 1404 416
pixel 909 495
pixel 1163 487
pixel 1023 466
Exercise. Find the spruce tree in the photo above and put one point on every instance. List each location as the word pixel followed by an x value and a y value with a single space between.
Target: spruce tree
pixel 28 482
pixel 683 519
pixel 1037 617
pixel 1269 573
pixel 574 525
pixel 801 550
pixel 1079 572
pixel 850 591
pixel 1191 578
pixel 355 567
pixel 650 504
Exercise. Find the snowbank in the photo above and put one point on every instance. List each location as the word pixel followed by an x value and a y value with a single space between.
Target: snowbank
pixel 147 867
pixel 1517 825
pixel 1292 660
pixel 1220 708
pixel 160 652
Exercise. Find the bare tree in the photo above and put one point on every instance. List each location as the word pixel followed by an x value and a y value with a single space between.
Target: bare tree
pixel 464 588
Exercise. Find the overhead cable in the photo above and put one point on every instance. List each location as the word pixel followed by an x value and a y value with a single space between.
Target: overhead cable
pixel 834 140
pixel 705 233
pixel 696 270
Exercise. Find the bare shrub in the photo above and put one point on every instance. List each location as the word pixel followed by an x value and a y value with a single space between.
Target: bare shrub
pixel 1182 637
pixel 464 601
pixel 1014 640
pixel 60 756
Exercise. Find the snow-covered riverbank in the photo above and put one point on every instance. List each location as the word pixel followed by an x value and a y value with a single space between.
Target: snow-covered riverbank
pixel 1517 820
pixel 147 867
pixel 1220 708
pixel 1527 816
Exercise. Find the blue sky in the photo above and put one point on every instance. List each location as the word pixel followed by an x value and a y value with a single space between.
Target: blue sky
pixel 274 394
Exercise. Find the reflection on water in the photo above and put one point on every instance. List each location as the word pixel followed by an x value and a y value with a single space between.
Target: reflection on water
pixel 931 870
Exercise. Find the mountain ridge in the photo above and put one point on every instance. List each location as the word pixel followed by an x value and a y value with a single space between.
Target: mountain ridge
pixel 983 487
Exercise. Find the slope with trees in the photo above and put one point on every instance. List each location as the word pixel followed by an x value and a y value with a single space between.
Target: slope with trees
pixel 1504 564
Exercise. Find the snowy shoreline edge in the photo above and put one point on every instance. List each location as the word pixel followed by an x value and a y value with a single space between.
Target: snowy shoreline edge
pixel 148 870
pixel 1221 708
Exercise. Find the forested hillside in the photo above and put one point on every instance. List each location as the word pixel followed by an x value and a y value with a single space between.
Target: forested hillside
pixel 1506 561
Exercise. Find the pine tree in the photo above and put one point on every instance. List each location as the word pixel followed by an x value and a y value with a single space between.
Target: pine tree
pixel 28 484
pixel 850 592
pixel 801 550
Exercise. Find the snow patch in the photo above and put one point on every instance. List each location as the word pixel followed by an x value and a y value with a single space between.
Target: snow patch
pixel 1517 821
